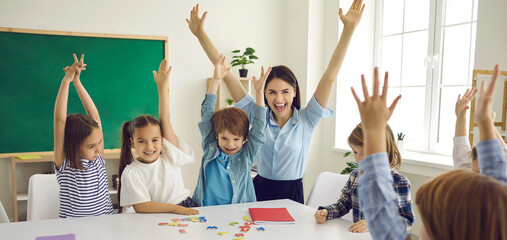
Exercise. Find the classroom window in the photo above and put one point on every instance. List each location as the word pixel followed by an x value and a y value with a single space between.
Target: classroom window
pixel 428 48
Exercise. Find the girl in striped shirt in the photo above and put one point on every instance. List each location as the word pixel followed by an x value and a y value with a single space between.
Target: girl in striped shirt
pixel 78 150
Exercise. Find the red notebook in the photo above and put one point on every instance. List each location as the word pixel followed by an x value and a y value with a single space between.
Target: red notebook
pixel 270 215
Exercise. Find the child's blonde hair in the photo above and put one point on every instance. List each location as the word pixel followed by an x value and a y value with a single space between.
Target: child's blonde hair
pixel 356 138
pixel 463 205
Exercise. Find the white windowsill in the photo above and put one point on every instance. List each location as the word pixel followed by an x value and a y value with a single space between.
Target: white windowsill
pixel 424 164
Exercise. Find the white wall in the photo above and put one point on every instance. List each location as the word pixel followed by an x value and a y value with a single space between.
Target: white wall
pixel 232 24
pixel 490 48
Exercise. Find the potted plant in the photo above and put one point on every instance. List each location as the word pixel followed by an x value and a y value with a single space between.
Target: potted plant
pixel 400 142
pixel 243 59
pixel 229 101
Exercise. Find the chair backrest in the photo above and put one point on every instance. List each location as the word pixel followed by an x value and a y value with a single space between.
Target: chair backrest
pixel 43 200
pixel 327 190
pixel 3 215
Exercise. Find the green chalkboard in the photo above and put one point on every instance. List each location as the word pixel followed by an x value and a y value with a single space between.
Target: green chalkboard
pixel 118 78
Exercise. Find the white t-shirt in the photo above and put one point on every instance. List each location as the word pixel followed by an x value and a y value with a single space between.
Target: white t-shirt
pixel 159 181
pixel 462 153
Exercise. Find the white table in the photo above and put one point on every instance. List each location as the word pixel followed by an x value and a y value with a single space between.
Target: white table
pixel 145 226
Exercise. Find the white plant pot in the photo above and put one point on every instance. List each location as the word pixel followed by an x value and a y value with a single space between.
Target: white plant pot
pixel 400 145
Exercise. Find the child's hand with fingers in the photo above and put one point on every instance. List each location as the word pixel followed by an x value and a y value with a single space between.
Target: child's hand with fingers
pixel 484 109
pixel 373 110
pixel 185 210
pixel 72 73
pixel 321 216
pixel 359 227
pixel 463 103
pixel 221 68
pixel 79 66
pixel 162 76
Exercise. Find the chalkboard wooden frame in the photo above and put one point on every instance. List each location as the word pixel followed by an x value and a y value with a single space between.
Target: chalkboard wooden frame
pixel 54 36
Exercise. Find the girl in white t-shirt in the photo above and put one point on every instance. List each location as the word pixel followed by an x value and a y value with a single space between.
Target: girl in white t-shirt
pixel 152 182
pixel 463 155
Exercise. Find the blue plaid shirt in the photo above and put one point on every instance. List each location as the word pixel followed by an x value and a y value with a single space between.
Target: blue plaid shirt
pixel 350 199
pixel 379 200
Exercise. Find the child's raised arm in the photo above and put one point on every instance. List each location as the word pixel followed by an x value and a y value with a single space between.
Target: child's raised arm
pixel 374 114
pixel 482 114
pixel 490 155
pixel 86 100
pixel 164 111
pixel 195 24
pixel 377 197
pixel 462 105
pixel 259 86
pixel 221 69
pixel 60 114
pixel 350 21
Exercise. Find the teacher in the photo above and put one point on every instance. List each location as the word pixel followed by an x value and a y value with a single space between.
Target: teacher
pixel 284 156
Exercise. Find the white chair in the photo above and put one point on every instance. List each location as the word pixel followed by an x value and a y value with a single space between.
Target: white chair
pixel 326 190
pixel 43 200
pixel 3 215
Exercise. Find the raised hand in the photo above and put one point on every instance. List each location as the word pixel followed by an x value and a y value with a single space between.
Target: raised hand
pixel 462 104
pixel 260 82
pixel 80 66
pixel 353 16
pixel 162 76
pixel 73 72
pixel 485 100
pixel 259 86
pixel 221 68
pixel 195 24
pixel 373 110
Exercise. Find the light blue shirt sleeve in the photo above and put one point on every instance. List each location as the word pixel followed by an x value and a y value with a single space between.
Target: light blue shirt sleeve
pixel 378 200
pixel 313 112
pixel 206 126
pixel 256 135
pixel 247 104
pixel 491 160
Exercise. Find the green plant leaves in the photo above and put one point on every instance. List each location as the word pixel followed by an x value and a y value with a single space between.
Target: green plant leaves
pixel 242 59
pixel 350 168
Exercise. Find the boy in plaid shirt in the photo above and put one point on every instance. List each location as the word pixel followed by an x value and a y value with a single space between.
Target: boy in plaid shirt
pixel 350 199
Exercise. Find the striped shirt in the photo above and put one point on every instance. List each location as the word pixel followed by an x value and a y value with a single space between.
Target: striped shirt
pixel 350 199
pixel 83 192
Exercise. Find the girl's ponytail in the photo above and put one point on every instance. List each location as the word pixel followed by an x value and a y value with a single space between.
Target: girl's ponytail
pixel 125 154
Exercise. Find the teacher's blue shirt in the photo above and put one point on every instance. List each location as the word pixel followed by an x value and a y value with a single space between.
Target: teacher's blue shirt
pixel 284 155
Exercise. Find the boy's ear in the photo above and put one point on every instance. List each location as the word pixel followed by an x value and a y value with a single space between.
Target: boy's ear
pixel 246 139
pixel 132 143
